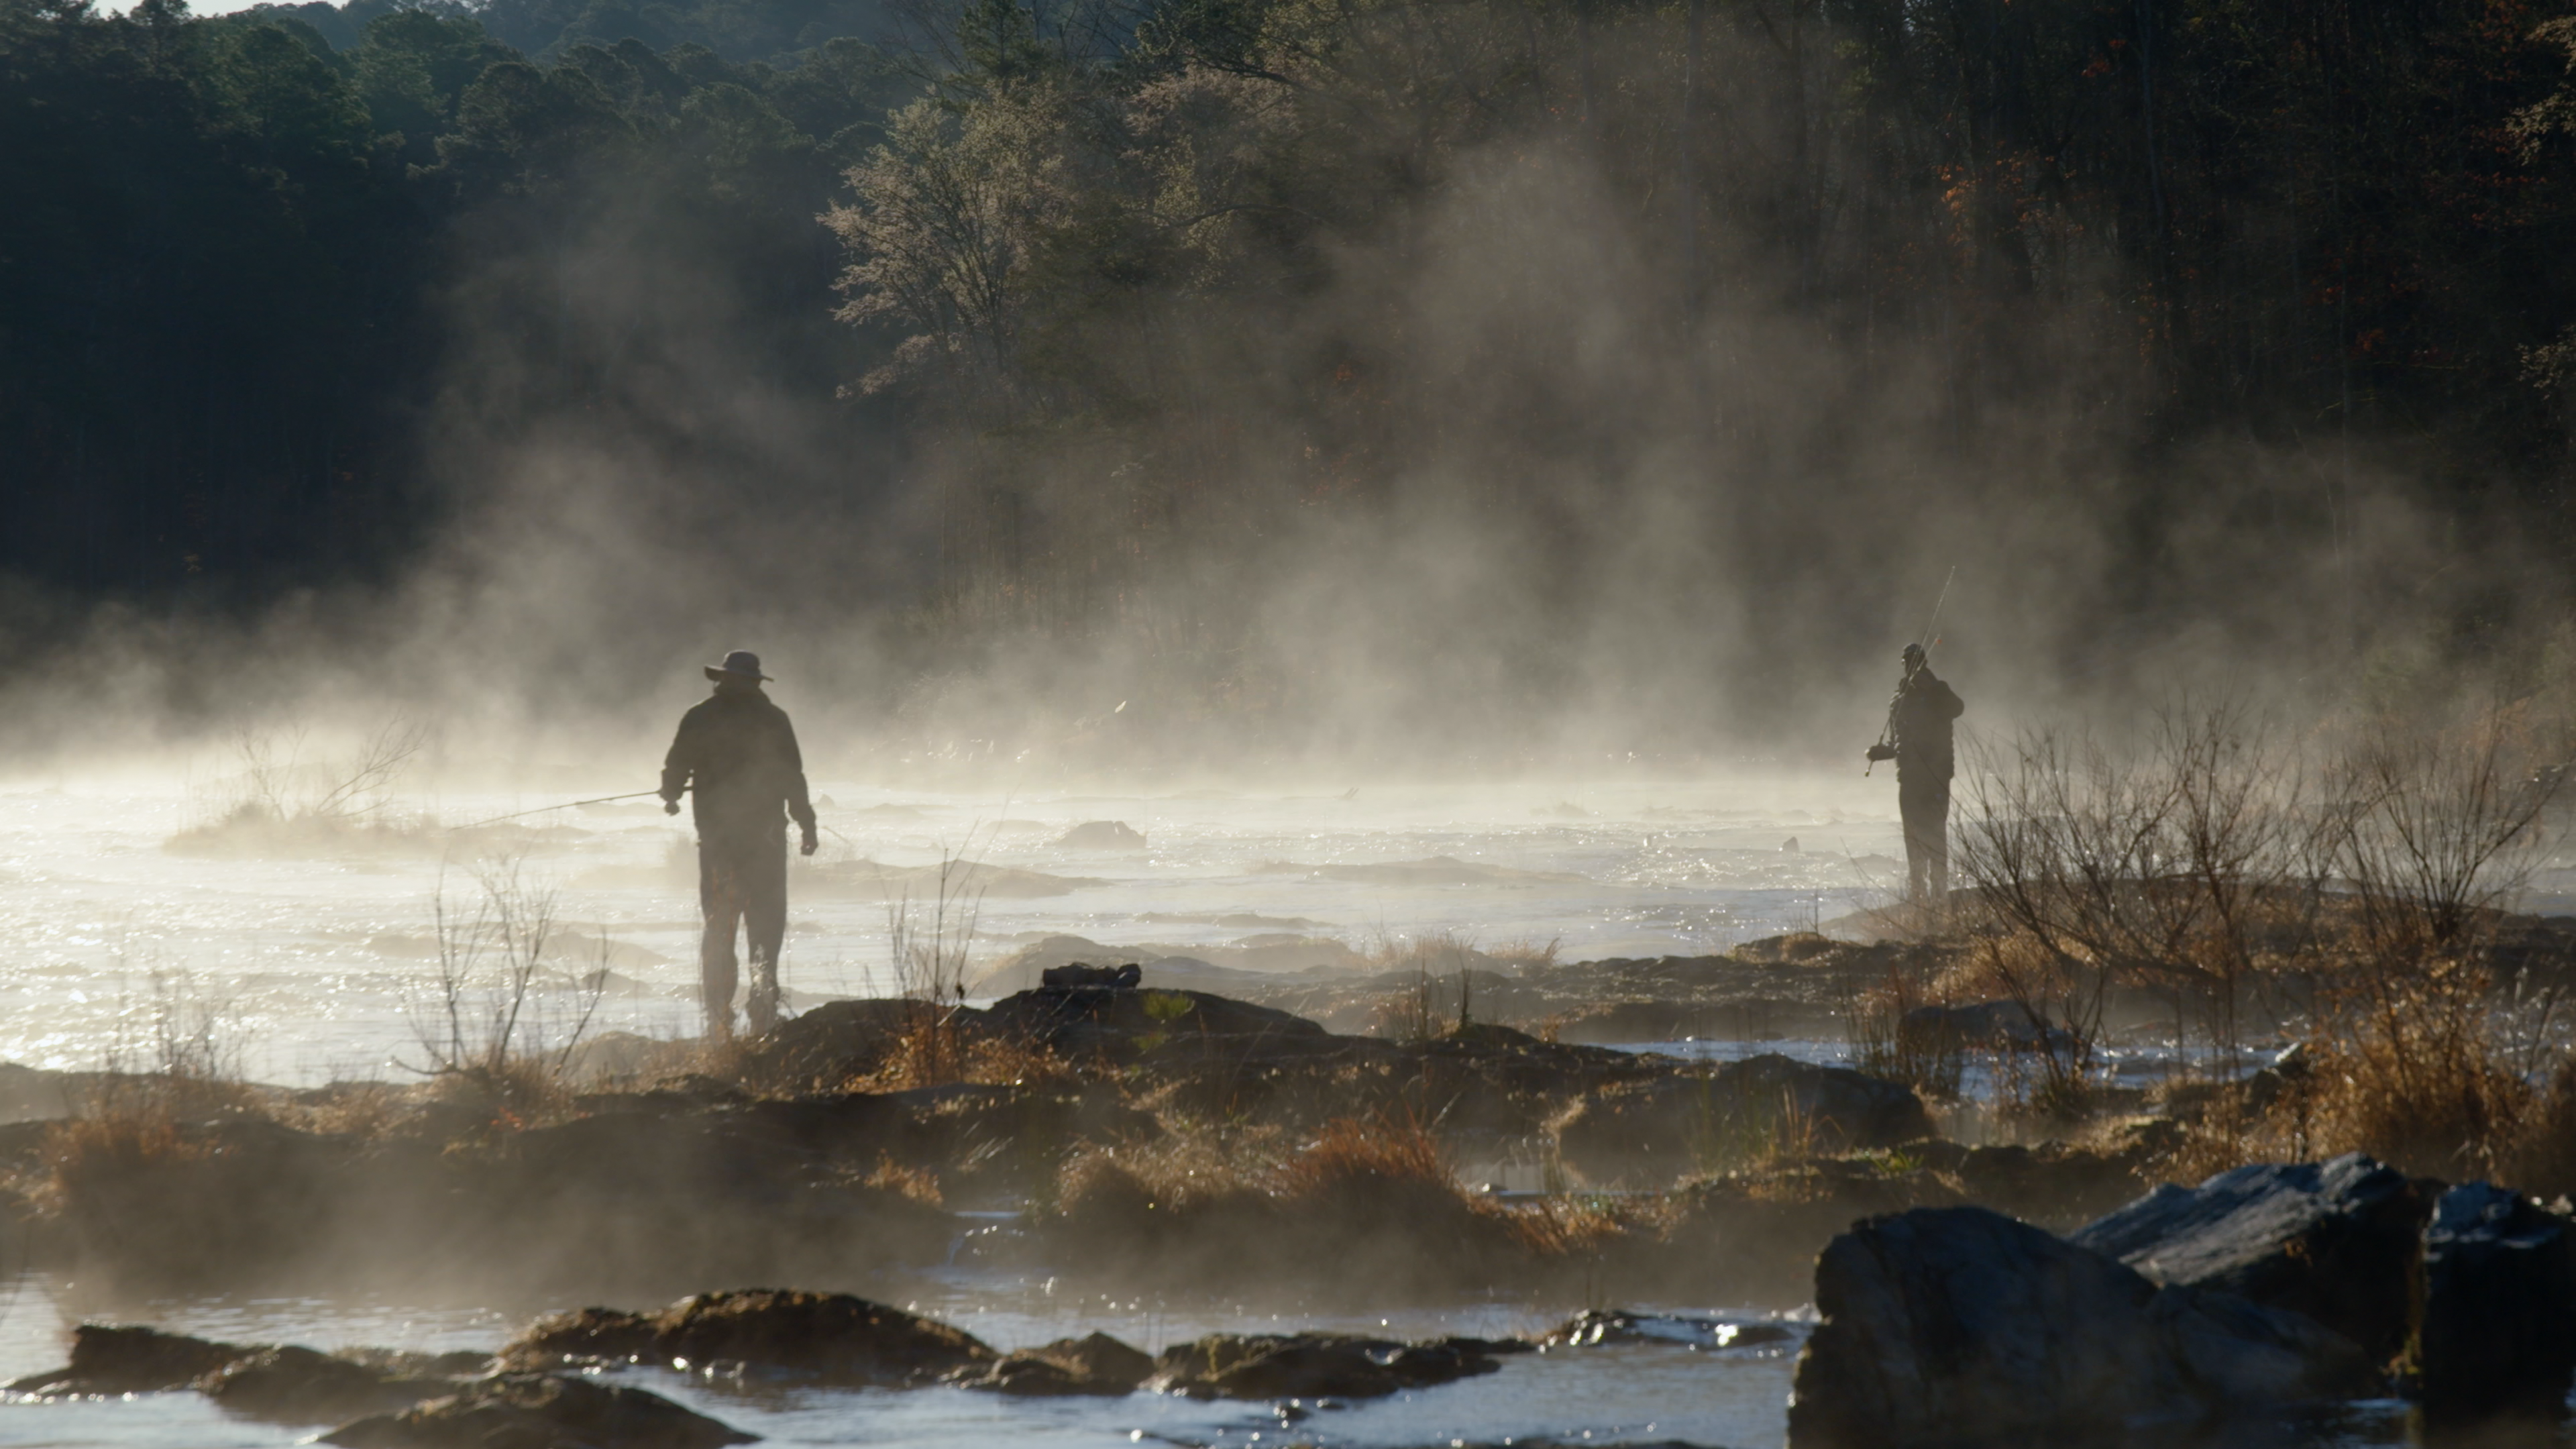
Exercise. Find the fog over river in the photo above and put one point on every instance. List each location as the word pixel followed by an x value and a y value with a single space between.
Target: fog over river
pixel 310 952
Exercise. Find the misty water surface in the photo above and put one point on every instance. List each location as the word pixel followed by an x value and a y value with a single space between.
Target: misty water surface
pixel 310 960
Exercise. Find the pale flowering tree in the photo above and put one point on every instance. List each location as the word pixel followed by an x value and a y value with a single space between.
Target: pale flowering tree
pixel 953 212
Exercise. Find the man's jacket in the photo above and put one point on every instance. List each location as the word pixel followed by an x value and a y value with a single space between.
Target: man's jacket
pixel 1923 715
pixel 736 755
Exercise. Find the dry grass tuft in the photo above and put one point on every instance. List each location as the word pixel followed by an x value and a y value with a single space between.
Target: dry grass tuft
pixel 1561 1227
pixel 917 1183
pixel 1932 1059
pixel 98 1146
pixel 511 1095
pixel 1526 953
pixel 2416 1082
pixel 2542 1161
pixel 930 1051
pixel 368 1111
pixel 1380 1155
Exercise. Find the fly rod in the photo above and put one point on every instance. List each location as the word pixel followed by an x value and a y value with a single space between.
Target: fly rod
pixel 1887 736
pixel 567 805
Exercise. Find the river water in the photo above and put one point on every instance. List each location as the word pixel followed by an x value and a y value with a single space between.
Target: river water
pixel 309 961
pixel 311 966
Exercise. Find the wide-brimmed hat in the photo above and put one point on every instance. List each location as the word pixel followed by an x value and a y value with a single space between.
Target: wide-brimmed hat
pixel 740 664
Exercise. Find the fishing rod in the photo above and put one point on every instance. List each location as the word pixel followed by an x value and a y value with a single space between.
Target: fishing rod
pixel 1887 736
pixel 567 805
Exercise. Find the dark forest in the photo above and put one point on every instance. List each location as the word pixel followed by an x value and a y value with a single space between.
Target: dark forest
pixel 1090 317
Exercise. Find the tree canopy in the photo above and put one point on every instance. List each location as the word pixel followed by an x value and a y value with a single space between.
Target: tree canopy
pixel 1136 287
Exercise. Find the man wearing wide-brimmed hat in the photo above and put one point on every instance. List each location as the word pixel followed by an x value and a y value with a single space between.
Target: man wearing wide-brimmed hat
pixel 736 758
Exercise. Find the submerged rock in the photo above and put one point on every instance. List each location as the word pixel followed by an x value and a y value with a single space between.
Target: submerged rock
pixel 2007 1024
pixel 111 1359
pixel 827 1337
pixel 1094 1364
pixel 285 1383
pixel 1947 1325
pixel 1598 1327
pixel 541 1411
pixel 1673 1124
pixel 1102 835
pixel 2498 1335
pixel 1317 1365
pixel 300 1386
pixel 2334 1240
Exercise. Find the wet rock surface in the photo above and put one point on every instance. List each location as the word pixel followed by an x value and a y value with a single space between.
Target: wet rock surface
pixel 1095 1364
pixel 1318 1365
pixel 830 1338
pixel 1102 835
pixel 1094 1021
pixel 540 1411
pixel 285 1383
pixel 298 1385
pixel 2498 1329
pixel 1985 1023
pixel 113 1359
pixel 1959 1325
pixel 1608 1327
pixel 2334 1240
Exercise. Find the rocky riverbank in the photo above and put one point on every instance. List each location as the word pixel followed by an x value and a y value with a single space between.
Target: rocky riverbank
pixel 1129 1136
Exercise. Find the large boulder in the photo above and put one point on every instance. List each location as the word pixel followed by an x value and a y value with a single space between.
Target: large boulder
pixel 1661 1128
pixel 831 1338
pixel 1086 1021
pixel 1317 1365
pixel 2333 1240
pixel 1077 973
pixel 1945 1326
pixel 2498 1335
pixel 540 1411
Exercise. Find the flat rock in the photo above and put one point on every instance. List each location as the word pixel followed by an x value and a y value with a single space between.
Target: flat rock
pixel 1316 1365
pixel 113 1359
pixel 285 1383
pixel 1095 1364
pixel 1081 973
pixel 2333 1240
pixel 1983 1023
pixel 1959 1325
pixel 296 1385
pixel 830 1338
pixel 540 1411
pixel 2498 1335
pixel 1102 835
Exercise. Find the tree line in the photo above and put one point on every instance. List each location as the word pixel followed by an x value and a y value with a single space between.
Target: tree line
pixel 1130 287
